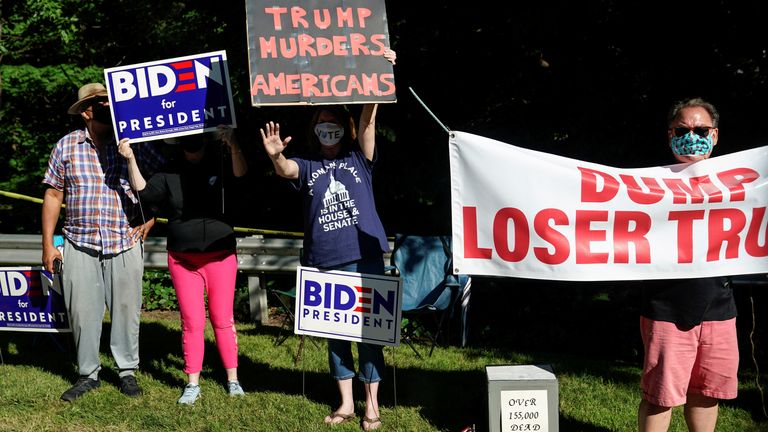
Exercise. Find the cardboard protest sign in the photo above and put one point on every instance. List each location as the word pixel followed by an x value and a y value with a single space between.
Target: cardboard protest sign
pixel 312 52
pixel 170 98
pixel 348 306
pixel 31 299
pixel 522 213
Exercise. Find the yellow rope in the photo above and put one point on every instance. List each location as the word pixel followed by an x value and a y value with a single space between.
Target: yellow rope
pixel 163 220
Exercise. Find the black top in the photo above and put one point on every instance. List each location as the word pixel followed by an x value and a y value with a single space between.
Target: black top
pixel 688 302
pixel 190 196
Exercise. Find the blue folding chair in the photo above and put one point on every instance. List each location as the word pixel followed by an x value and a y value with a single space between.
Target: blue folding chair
pixel 430 289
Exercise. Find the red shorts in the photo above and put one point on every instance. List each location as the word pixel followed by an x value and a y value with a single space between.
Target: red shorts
pixel 703 360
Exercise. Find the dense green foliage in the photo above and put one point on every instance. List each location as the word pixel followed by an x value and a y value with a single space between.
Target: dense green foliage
pixel 158 292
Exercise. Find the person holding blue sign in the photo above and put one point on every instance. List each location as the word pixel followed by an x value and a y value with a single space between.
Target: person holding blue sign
pixel 342 230
pixel 104 227
pixel 201 245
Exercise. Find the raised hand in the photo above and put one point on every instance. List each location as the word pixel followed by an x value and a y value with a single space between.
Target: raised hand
pixel 270 136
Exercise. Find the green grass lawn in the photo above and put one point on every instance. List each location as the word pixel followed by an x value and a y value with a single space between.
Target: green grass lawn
pixel 444 392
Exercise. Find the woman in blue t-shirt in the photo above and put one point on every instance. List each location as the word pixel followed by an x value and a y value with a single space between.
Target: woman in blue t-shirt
pixel 342 230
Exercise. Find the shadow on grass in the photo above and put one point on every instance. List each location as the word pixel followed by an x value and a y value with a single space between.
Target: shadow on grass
pixel 52 352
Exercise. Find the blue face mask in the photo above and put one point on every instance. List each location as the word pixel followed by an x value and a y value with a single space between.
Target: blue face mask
pixel 691 144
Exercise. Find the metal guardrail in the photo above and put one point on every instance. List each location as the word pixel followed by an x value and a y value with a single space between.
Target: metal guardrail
pixel 258 257
pixel 255 254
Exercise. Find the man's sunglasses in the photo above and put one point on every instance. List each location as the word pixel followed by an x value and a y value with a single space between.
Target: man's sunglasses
pixel 97 101
pixel 702 131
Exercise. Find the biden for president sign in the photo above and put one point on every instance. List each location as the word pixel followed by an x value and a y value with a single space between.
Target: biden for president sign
pixel 349 306
pixel 170 98
pixel 31 300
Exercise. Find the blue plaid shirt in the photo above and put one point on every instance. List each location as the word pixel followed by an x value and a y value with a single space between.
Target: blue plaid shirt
pixel 100 202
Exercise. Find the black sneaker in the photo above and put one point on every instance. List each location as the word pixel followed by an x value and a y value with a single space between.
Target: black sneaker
pixel 129 386
pixel 81 387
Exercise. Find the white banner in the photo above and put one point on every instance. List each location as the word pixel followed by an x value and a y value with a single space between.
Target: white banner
pixel 522 213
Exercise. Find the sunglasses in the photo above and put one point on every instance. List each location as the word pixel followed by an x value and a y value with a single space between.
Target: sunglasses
pixel 95 102
pixel 702 131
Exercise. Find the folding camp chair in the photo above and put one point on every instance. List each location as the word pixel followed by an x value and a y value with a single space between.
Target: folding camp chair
pixel 286 326
pixel 430 289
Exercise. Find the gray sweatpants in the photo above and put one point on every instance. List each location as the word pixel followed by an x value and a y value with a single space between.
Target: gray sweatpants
pixel 92 282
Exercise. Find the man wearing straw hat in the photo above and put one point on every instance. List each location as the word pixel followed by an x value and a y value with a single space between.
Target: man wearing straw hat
pixel 104 227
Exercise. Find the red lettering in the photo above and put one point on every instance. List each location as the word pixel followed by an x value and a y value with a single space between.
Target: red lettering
pixel 292 84
pixel 589 183
pixel 734 180
pixel 354 86
pixel 586 235
pixel 389 81
pixel 357 44
pixel 260 86
pixel 378 40
pixel 471 250
pixel 324 46
pixel 623 236
pixel 719 234
pixel 323 85
pixel 550 235
pixel 276 12
pixel 752 242
pixel 340 46
pixel 297 17
pixel 322 22
pixel 268 47
pixel 501 234
pixel 362 14
pixel 638 195
pixel 685 233
pixel 306 46
pixel 696 189
pixel 308 84
pixel 345 17
pixel 290 50
pixel 335 83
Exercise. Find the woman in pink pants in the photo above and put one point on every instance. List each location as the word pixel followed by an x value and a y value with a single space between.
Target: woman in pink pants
pixel 201 245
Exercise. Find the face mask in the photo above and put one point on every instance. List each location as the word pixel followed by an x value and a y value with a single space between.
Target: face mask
pixel 691 144
pixel 102 114
pixel 329 133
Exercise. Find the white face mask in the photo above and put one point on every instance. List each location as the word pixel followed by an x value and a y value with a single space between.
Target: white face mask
pixel 329 133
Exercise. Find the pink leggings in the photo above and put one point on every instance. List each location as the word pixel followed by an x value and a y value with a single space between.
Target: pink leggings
pixel 193 274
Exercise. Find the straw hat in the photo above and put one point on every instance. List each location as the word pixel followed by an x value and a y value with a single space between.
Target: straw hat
pixel 85 94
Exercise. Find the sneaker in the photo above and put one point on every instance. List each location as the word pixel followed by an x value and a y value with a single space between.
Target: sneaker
pixel 235 389
pixel 81 387
pixel 129 386
pixel 190 395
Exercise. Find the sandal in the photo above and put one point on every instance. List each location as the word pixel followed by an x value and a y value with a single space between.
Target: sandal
pixel 373 423
pixel 334 415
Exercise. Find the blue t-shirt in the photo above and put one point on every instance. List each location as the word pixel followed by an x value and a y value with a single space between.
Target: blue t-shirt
pixel 340 219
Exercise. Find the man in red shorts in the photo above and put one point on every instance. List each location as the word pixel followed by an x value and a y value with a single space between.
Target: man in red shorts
pixel 688 326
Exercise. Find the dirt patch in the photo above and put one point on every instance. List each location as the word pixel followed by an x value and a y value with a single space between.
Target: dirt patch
pixel 160 314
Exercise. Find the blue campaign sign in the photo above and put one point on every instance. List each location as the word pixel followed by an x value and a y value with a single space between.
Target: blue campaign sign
pixel 31 299
pixel 170 98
